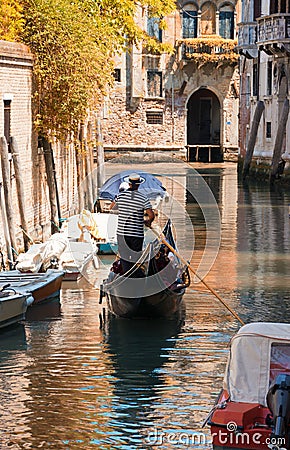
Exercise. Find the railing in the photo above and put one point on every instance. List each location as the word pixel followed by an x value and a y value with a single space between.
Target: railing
pixel 211 46
pixel 274 29
pixel 202 48
pixel 247 35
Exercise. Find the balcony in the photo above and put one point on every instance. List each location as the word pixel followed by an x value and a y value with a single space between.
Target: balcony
pixel 247 39
pixel 273 35
pixel 208 49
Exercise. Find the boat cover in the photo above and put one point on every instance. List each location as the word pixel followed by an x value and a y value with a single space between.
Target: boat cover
pixel 258 352
pixel 150 185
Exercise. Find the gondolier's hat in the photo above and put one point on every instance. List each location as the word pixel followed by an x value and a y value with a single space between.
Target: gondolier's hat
pixel 134 178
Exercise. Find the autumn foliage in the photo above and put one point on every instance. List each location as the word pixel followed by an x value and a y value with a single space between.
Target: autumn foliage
pixel 74 43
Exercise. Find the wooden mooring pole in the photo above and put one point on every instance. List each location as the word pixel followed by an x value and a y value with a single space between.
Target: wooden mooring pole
pixel 52 188
pixel 20 189
pixel 5 228
pixel 253 136
pixel 278 147
pixel 7 192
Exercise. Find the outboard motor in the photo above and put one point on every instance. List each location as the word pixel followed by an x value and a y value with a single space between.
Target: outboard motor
pixel 278 400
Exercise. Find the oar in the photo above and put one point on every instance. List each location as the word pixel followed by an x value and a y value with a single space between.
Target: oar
pixel 163 240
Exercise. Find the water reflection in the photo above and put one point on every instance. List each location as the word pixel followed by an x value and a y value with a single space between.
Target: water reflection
pixel 138 350
pixel 45 311
pixel 263 251
pixel 12 340
pixel 66 384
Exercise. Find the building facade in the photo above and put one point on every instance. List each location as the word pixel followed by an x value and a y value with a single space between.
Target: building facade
pixel 264 47
pixel 16 121
pixel 186 102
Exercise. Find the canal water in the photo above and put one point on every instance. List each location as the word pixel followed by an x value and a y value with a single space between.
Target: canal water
pixel 68 383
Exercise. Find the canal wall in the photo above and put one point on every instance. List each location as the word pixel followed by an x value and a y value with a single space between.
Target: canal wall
pixel 260 169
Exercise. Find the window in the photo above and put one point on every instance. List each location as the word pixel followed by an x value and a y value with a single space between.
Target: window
pixel 154 83
pixel 117 75
pixel 268 130
pixel 280 360
pixel 269 78
pixel 255 80
pixel 226 24
pixel 282 6
pixel 189 22
pixel 257 9
pixel 153 28
pixel 7 120
pixel 273 6
pixel 208 16
pixel 154 117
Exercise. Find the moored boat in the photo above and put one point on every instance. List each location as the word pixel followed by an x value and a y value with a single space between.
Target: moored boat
pixel 64 251
pixel 253 408
pixel 153 287
pixel 13 306
pixel 42 286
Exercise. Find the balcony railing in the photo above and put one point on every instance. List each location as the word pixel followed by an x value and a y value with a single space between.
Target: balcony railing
pixel 206 49
pixel 247 36
pixel 274 29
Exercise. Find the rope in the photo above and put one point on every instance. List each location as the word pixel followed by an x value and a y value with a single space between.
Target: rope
pixel 162 238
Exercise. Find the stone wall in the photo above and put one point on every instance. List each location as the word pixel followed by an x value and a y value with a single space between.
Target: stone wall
pixel 124 123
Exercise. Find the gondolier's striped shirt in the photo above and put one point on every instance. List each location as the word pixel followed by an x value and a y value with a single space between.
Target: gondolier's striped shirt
pixel 131 206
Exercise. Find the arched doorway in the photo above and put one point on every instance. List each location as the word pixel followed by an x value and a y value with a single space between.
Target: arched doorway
pixel 203 127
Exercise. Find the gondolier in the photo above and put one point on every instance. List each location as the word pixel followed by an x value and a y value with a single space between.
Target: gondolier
pixel 132 205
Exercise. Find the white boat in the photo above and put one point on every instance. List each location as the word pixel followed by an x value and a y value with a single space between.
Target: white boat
pixel 102 228
pixel 13 306
pixel 65 251
pixel 253 409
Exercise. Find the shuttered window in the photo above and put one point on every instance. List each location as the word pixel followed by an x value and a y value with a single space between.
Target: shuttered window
pixel 269 78
pixel 255 80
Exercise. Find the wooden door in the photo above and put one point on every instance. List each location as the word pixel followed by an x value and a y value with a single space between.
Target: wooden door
pixel 205 121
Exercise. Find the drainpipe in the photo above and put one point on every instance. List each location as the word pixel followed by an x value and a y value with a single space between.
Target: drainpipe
pixel 172 108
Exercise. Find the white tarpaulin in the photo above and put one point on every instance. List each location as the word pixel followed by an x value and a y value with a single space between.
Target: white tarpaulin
pixel 247 376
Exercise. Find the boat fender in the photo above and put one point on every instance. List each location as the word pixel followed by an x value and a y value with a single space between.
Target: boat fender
pixel 29 300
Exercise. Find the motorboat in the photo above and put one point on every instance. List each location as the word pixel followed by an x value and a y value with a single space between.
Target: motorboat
pixel 42 286
pixel 253 408
pixel 67 250
pixel 13 306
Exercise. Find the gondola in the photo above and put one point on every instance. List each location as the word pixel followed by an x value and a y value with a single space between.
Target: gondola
pixel 152 288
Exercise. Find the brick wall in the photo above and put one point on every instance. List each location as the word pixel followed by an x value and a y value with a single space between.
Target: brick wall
pixel 16 65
